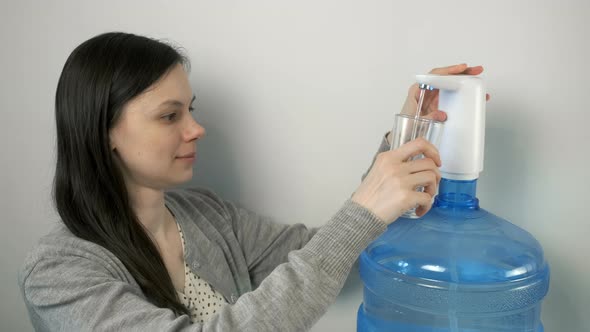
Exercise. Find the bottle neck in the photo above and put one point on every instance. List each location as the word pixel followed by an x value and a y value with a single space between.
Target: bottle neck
pixel 457 194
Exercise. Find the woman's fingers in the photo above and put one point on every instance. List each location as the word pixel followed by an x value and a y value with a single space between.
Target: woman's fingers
pixel 389 188
pixel 426 179
pixel 415 148
pixel 473 70
pixel 421 165
pixel 430 106
pixel 450 70
pixel 425 204
pixel 437 116
pixel 429 181
pixel 462 69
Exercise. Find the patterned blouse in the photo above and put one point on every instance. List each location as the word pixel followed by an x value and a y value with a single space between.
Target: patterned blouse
pixel 199 297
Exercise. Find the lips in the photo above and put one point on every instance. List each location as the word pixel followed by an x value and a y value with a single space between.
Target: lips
pixel 189 155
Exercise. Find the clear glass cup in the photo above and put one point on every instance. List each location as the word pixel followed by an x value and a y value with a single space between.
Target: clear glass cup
pixel 407 128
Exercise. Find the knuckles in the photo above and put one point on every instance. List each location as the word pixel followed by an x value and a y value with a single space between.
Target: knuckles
pixel 422 143
pixel 381 158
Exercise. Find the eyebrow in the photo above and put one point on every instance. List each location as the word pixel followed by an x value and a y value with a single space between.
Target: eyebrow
pixel 173 102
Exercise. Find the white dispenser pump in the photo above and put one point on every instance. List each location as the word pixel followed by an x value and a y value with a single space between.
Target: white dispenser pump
pixel 463 98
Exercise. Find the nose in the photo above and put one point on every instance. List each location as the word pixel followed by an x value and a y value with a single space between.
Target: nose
pixel 193 130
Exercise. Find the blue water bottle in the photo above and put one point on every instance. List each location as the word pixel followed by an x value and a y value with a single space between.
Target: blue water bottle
pixel 459 267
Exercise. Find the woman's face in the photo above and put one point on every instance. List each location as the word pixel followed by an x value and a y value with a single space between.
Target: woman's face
pixel 155 137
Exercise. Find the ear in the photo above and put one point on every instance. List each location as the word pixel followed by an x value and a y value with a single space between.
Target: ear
pixel 112 144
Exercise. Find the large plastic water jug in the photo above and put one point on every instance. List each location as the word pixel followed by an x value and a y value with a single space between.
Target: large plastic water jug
pixel 458 268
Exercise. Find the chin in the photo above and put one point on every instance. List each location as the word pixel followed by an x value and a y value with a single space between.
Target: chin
pixel 178 179
pixel 185 178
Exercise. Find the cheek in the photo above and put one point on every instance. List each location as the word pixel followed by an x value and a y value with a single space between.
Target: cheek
pixel 148 152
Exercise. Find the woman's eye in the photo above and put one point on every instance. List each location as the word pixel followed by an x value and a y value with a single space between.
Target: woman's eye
pixel 169 117
pixel 190 109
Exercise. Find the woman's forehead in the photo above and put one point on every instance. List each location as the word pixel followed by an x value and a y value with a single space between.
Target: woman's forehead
pixel 172 88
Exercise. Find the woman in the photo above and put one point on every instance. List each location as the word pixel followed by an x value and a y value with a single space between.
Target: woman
pixel 133 254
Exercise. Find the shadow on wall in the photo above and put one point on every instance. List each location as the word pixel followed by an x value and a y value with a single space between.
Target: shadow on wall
pixel 215 167
pixel 559 306
pixel 505 187
pixel 504 182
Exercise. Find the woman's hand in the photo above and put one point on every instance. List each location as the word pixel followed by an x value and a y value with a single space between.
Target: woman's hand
pixel 430 104
pixel 389 189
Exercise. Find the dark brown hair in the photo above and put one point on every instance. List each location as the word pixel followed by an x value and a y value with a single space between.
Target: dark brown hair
pixel 98 79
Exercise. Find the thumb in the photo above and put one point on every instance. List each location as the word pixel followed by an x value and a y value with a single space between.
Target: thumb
pixel 438 116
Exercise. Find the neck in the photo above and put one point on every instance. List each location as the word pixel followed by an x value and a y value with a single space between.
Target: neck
pixel 150 208
pixel 457 194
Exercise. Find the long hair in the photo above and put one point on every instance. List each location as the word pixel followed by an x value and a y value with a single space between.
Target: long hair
pixel 98 79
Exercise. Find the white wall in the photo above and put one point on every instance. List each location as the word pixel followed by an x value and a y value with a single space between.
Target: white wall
pixel 295 98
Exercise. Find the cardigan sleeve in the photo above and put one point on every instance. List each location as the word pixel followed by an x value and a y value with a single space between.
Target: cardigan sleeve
pixel 76 285
pixel 80 286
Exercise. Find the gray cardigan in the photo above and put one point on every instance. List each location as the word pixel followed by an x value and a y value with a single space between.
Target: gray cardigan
pixel 275 277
